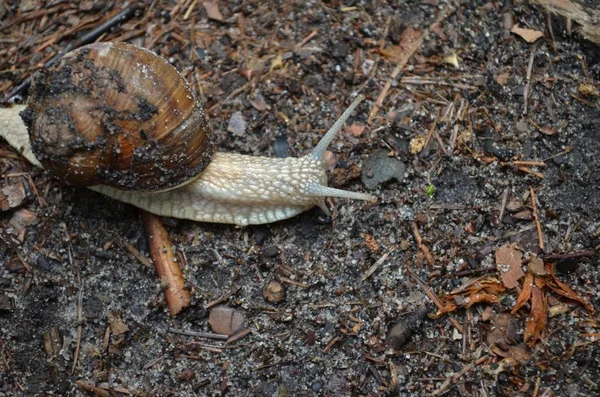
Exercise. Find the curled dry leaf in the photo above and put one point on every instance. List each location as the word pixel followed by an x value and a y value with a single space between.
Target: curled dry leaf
pixel 538 317
pixel 564 290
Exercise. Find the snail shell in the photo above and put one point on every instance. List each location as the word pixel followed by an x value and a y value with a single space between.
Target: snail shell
pixel 118 115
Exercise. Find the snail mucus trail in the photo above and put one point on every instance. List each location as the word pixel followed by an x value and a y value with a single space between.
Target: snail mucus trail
pixel 96 117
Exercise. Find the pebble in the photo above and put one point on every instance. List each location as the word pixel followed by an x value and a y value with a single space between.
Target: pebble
pixel 379 168
pixel 274 292
pixel 237 124
pixel 225 320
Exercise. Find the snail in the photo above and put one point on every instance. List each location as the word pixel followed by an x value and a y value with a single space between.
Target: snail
pixel 122 121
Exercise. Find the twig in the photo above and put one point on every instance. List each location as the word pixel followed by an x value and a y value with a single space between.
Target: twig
pixel 569 255
pixel 239 335
pixel 536 389
pixel 165 263
pixel 537 219
pixel 464 273
pixel 436 301
pixel 306 39
pixel 221 299
pixel 79 323
pixel 530 171
pixel 331 344
pixel 528 78
pixel 87 38
pixel 372 269
pixel 503 205
pixel 93 389
pixel 454 378
pixel 422 247
pixel 529 163
pixel 198 334
pixel 134 251
pixel 420 81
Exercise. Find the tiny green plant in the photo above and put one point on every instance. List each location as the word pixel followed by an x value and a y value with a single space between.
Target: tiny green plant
pixel 430 190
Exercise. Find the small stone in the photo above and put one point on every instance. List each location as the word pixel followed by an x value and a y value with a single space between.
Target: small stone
pixel 340 49
pixel 271 251
pixel 15 266
pixel 225 320
pixel 23 218
pixel 379 168
pixel 5 303
pixel 514 205
pixel 400 333
pixel 11 196
pixel 521 126
pixel 237 124
pixel 281 147
pixel 274 292
pixel 525 215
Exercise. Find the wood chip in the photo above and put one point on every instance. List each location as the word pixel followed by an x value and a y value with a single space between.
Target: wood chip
pixel 212 10
pixel 529 35
pixel 508 263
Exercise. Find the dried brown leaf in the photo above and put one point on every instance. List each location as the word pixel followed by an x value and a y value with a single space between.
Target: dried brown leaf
pixel 508 262
pixel 212 10
pixel 564 290
pixel 525 294
pixel 529 35
pixel 538 317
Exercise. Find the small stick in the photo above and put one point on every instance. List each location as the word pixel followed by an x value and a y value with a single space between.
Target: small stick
pixel 331 344
pixel 530 171
pixel 239 335
pixel 569 255
pixel 436 301
pixel 527 85
pixel 432 129
pixel 464 273
pixel 567 150
pixel 538 382
pixel 79 323
pixel 134 251
pixel 422 247
pixel 93 389
pixel 529 163
pixel 198 334
pixel 503 205
pixel 165 263
pixel 306 39
pixel 377 263
pixel 454 378
pixel 537 219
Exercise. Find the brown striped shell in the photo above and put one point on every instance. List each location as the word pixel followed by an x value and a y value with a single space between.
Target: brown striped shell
pixel 117 115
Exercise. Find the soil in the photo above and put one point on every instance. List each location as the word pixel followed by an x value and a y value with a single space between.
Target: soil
pixel 354 320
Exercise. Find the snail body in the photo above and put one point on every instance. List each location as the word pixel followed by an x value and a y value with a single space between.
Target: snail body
pixel 122 121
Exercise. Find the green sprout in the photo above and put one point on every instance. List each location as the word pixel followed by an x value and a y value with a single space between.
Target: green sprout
pixel 430 190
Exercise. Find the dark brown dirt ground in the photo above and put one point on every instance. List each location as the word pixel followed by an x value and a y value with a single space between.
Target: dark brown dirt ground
pixel 328 338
